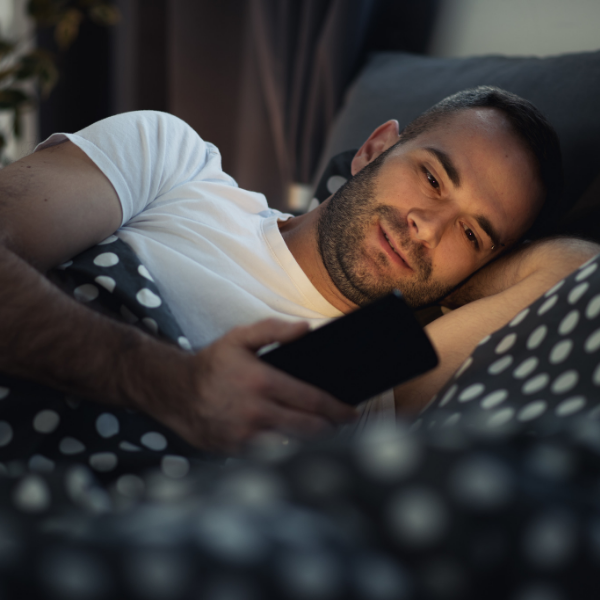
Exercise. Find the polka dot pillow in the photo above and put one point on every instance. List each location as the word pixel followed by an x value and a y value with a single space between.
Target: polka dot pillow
pixel 43 429
pixel 110 279
pixel 540 371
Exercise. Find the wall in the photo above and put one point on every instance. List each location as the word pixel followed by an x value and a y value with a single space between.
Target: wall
pixel 516 27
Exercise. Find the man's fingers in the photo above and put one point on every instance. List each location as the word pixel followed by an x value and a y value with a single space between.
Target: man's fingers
pixel 294 423
pixel 292 392
pixel 254 337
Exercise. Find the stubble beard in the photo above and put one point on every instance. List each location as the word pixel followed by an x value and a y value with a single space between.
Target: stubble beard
pixel 341 236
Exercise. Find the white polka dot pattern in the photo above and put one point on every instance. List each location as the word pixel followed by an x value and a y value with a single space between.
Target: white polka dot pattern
pixel 501 417
pixel 70 445
pixel 532 410
pixel 494 399
pixel 565 382
pixel 542 310
pixel 570 406
pixel 527 367
pixel 471 392
pixel 585 273
pixel 6 434
pixel 148 298
pixel 46 421
pixel 500 365
pixel 569 323
pixel 593 308
pixel 154 440
pixel 108 259
pixel 144 272
pixel 535 384
pixel 150 324
pixel 417 517
pixel 103 461
pixel 107 425
pixel 86 292
pixel 561 352
pixel 537 337
pixel 463 367
pixel 32 495
pixel 108 283
pixel 506 343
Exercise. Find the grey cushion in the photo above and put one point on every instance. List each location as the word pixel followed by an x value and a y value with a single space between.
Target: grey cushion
pixel 400 86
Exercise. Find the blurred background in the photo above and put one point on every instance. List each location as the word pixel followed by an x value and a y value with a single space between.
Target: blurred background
pixel 261 79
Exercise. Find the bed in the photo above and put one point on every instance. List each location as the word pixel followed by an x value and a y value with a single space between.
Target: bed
pixel 493 491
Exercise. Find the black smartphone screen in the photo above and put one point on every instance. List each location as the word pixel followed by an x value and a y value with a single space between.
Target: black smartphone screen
pixel 360 354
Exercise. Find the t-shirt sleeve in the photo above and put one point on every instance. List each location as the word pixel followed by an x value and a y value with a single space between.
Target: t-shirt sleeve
pixel 145 154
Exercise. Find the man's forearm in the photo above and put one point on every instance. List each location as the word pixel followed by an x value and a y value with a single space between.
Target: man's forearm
pixel 550 258
pixel 50 338
pixel 495 295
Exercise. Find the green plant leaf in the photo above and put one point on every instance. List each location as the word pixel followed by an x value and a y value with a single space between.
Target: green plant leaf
pixel 38 63
pixel 105 14
pixel 45 12
pixel 6 73
pixel 11 98
pixel 67 28
pixel 5 48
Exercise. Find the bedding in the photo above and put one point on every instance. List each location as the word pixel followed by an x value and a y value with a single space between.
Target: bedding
pixel 41 427
pixel 97 502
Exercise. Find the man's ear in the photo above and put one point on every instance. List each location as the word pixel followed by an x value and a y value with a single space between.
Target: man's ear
pixel 384 137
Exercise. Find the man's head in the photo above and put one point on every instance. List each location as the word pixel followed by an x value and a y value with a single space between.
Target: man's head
pixel 429 206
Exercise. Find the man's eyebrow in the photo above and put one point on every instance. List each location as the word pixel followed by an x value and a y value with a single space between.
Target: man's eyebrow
pixel 486 225
pixel 447 163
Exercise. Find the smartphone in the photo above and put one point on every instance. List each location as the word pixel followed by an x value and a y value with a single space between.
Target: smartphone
pixel 360 354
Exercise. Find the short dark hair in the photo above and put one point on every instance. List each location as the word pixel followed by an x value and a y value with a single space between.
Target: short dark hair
pixel 531 127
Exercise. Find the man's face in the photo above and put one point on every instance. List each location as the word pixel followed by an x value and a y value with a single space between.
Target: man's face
pixel 438 208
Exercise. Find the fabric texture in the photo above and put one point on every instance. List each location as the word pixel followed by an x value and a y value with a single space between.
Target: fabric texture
pixel 537 373
pixel 214 250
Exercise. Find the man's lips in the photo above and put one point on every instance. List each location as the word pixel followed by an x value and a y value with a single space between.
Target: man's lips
pixel 392 249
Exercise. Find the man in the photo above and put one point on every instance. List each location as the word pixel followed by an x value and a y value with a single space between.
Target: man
pixel 427 209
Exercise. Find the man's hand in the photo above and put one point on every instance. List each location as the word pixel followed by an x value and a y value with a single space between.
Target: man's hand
pixel 238 396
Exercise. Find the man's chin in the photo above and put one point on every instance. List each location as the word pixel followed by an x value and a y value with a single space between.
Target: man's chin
pixel 422 296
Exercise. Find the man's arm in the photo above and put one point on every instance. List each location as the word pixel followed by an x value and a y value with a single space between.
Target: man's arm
pixel 54 204
pixel 487 302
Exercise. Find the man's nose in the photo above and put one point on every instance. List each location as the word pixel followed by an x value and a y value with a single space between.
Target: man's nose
pixel 428 227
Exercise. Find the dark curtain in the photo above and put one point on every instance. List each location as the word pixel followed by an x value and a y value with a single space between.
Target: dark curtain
pixel 262 79
pixel 300 56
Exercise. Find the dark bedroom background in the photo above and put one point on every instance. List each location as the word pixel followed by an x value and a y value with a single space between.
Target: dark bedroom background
pixel 261 79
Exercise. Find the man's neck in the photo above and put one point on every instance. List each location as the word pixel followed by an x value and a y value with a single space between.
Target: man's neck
pixel 300 236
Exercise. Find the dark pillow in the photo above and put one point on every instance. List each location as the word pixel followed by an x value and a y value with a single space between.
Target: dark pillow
pixel 401 86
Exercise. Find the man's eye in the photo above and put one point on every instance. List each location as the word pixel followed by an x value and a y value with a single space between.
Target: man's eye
pixel 471 236
pixel 432 180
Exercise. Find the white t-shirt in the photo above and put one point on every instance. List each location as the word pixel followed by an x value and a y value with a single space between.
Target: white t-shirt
pixel 214 250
